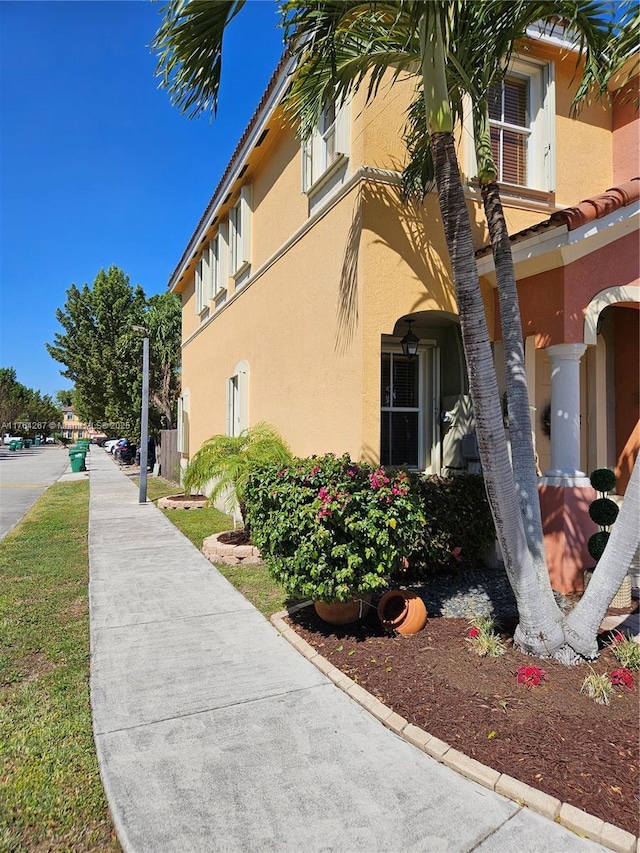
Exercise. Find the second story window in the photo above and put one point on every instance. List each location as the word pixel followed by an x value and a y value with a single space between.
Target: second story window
pixel 240 233
pixel 509 119
pixel 328 146
pixel 522 123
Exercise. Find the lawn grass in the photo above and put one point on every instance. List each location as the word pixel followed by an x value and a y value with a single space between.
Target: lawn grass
pixel 51 797
pixel 254 582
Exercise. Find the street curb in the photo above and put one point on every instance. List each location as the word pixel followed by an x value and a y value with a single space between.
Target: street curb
pixel 569 816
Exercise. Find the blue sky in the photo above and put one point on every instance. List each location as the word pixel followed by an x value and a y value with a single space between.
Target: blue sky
pixel 96 166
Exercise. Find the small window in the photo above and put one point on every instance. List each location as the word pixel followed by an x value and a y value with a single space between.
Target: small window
pixel 238 400
pixel 240 233
pixel 522 121
pixel 400 415
pixel 69 416
pixel 509 120
pixel 327 144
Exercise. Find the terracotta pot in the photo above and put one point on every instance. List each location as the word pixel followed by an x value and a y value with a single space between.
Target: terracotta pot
pixel 342 612
pixel 403 611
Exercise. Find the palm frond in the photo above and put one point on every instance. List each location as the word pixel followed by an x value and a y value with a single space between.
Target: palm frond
pixel 189 44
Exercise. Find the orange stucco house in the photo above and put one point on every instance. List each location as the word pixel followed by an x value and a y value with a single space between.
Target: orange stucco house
pixel 300 278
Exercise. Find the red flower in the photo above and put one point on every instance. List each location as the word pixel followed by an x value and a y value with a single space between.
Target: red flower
pixel 473 632
pixel 622 677
pixel 531 676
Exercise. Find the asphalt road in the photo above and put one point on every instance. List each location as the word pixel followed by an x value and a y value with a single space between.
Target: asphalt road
pixel 24 476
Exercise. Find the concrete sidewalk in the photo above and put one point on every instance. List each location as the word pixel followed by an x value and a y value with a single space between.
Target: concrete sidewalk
pixel 214 734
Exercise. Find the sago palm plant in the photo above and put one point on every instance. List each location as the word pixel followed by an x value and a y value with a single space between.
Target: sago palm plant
pixel 224 462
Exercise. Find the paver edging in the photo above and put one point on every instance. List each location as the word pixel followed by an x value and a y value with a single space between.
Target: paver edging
pixel 572 818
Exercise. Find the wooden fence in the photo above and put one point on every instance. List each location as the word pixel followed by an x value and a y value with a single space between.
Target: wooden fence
pixel 168 456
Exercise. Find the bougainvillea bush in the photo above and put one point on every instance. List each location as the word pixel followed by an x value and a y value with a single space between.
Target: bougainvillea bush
pixel 329 528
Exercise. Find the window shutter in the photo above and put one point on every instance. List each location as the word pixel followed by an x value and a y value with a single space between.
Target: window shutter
pixel 198 288
pixel 343 129
pixel 245 231
pixel 223 256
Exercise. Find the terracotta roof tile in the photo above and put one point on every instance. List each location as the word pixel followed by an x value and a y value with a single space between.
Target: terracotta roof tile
pixel 587 211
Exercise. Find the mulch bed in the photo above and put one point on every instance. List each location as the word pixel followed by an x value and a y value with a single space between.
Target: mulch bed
pixel 235 537
pixel 550 736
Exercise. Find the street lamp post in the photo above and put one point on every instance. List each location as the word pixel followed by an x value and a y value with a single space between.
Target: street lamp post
pixel 144 419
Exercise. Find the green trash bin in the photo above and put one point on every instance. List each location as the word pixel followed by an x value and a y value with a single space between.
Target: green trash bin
pixel 13 445
pixel 36 443
pixel 77 458
pixel 27 443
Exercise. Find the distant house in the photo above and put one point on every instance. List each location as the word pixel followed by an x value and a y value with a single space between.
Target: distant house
pixel 307 269
pixel 73 428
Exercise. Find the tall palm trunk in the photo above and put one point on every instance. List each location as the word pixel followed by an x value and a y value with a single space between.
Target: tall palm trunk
pixel 538 631
pixel 581 625
pixel 522 454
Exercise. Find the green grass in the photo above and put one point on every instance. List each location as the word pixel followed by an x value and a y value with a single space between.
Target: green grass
pixel 254 582
pixel 51 797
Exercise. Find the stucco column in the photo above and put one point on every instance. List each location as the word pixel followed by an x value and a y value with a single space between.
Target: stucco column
pixel 565 491
pixel 565 413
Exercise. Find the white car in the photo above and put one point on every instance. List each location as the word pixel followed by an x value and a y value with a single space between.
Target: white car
pixel 110 445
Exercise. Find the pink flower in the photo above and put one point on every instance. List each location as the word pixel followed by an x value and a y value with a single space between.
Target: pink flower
pixel 473 632
pixel 324 495
pixel 622 677
pixel 315 470
pixel 531 676
pixel 456 553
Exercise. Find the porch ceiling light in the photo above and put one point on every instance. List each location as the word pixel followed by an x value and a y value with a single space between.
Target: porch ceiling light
pixel 410 342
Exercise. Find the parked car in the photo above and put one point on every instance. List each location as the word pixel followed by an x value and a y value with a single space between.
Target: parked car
pixel 125 451
pixel 110 444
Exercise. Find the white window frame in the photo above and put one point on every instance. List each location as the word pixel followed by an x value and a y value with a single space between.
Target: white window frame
pixel 327 149
pixel 393 351
pixel 240 233
pixel 541 148
pixel 237 419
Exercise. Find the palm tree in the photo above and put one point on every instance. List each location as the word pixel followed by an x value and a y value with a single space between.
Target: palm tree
pixel 224 463
pixel 338 46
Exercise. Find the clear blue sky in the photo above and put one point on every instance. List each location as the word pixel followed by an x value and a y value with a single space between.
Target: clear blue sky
pixel 96 166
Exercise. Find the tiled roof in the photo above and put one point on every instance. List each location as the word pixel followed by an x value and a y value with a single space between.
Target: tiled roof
pixel 574 217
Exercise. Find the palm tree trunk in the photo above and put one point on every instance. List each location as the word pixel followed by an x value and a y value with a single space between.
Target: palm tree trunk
pixel 538 631
pixel 582 624
pixel 523 457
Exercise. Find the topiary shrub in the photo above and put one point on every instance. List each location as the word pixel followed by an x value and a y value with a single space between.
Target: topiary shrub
pixel 603 480
pixel 458 525
pixel 603 511
pixel 597 543
pixel 331 529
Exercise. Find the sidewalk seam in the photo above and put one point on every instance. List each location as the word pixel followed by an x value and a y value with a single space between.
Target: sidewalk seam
pixel 188 714
pixel 572 818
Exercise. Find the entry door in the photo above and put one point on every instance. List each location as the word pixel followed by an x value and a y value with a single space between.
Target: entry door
pixel 408 432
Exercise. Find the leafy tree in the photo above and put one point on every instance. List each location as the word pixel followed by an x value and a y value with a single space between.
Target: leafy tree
pixel 164 322
pixel 339 46
pixel 25 410
pixel 64 398
pixel 102 352
pixel 225 462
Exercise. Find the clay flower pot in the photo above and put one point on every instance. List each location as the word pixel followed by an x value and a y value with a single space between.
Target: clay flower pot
pixel 403 611
pixel 342 612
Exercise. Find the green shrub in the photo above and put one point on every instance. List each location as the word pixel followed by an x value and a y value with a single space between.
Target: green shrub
pixel 597 543
pixel 603 480
pixel 458 524
pixel 329 528
pixel 604 512
pixel 226 461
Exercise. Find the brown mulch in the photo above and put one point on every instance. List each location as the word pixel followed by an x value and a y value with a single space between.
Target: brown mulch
pixel 550 736
pixel 235 537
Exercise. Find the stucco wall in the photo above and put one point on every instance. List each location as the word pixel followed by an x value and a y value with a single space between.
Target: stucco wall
pixel 304 379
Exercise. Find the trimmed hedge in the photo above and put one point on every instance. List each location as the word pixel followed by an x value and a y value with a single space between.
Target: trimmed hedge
pixel 458 526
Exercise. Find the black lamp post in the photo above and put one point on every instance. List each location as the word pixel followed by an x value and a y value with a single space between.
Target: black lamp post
pixel 410 342
pixel 144 415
